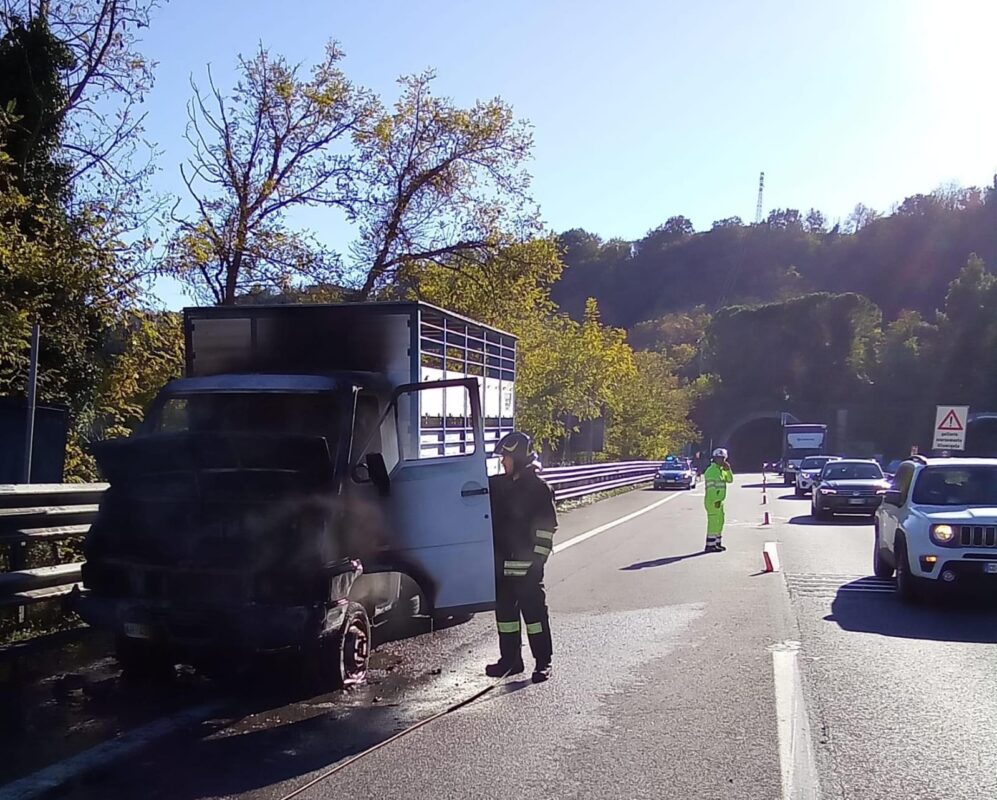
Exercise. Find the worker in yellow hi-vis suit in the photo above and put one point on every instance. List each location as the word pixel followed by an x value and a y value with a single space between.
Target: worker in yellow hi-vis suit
pixel 716 477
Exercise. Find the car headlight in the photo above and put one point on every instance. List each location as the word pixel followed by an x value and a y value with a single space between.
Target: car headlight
pixel 942 534
pixel 827 490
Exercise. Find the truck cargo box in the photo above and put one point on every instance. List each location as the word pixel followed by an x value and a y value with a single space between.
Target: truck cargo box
pixel 408 342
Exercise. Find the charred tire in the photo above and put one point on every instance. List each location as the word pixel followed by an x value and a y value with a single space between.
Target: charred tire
pixel 881 568
pixel 799 492
pixel 343 655
pixel 909 589
pixel 143 661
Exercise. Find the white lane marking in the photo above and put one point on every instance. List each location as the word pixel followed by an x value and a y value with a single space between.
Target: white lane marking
pixel 770 553
pixel 56 775
pixel 581 537
pixel 796 756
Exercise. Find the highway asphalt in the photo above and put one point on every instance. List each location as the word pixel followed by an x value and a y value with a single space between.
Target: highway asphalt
pixel 677 674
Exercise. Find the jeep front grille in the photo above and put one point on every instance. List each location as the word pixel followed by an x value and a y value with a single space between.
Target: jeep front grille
pixel 978 536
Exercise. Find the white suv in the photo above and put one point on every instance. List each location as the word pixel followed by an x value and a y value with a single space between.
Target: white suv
pixel 809 471
pixel 938 525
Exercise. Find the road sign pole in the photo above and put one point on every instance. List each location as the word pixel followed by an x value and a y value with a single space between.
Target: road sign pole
pixel 29 427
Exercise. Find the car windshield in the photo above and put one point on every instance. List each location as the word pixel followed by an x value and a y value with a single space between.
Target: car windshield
pixel 673 465
pixel 814 462
pixel 851 472
pixel 957 486
pixel 248 412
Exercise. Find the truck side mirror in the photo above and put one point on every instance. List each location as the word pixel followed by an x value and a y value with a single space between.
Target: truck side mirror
pixel 360 473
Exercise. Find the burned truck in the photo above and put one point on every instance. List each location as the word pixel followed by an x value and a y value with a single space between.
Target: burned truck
pixel 319 475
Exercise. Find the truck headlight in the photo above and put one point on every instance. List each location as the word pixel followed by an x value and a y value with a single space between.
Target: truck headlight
pixel 942 534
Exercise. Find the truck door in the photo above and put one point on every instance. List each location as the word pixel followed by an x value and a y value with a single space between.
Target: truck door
pixel 433 453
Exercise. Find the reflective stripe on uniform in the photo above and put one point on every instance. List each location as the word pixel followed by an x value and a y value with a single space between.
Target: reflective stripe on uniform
pixel 543 551
pixel 533 628
pixel 517 564
pixel 548 535
pixel 509 627
pixel 515 573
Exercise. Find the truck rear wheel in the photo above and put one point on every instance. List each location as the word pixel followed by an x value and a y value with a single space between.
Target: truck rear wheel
pixel 343 655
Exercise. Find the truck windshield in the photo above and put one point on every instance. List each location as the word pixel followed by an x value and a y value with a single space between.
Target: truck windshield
pixel 957 486
pixel 248 412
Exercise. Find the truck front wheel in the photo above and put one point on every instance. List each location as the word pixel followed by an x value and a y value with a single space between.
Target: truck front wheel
pixel 143 661
pixel 343 655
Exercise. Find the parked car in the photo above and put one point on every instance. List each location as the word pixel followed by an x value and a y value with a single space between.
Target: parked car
pixel 809 471
pixel 675 473
pixel 848 486
pixel 938 526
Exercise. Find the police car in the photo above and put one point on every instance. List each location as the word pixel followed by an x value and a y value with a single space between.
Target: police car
pixel 675 473
pixel 937 526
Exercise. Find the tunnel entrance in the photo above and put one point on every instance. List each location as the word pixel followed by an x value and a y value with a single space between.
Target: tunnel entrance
pixel 981 437
pixel 754 443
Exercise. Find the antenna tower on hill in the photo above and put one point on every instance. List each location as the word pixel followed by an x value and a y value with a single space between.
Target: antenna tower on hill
pixel 758 207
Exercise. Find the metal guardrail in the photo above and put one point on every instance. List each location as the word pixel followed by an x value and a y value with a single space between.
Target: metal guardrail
pixel 51 513
pixel 44 514
pixel 571 482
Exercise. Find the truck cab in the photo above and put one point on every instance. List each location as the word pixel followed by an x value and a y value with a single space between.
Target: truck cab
pixel 262 510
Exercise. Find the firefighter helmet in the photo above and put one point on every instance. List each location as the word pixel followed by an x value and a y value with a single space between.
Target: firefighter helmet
pixel 518 446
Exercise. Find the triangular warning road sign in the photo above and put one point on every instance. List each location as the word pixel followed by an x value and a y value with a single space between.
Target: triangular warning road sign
pixel 951 422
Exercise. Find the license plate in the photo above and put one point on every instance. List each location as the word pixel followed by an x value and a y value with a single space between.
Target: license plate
pixel 991 568
pixel 136 630
pixel 857 501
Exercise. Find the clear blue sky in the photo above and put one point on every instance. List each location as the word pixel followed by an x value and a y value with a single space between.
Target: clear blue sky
pixel 645 109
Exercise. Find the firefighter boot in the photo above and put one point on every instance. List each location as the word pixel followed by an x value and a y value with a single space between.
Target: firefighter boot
pixel 501 668
pixel 510 652
pixel 542 672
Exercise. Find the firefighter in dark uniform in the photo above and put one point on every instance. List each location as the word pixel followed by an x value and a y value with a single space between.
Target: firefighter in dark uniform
pixel 523 525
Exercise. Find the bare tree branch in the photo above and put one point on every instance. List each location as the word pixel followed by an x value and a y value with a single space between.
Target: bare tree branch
pixel 274 144
pixel 438 181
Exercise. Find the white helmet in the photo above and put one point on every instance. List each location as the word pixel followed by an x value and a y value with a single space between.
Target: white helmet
pixel 720 452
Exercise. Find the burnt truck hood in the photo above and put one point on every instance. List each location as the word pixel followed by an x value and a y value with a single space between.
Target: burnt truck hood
pixel 218 501
pixel 124 460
